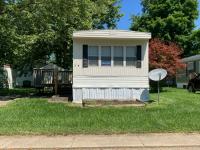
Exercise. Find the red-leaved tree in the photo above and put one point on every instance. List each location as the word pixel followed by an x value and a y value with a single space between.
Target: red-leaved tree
pixel 165 55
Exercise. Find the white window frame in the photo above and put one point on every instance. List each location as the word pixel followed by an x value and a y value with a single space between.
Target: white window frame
pixel 112 55
pixel 124 59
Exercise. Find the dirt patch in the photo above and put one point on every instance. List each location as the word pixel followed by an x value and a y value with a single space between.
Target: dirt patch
pixel 58 99
pixel 4 103
pixel 116 103
pixel 8 98
pixel 62 99
pixel 4 100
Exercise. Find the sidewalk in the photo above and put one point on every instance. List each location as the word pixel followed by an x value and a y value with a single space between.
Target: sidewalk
pixel 128 141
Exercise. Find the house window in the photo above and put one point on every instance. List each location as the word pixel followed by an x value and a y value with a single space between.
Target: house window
pixel 105 56
pixel 131 56
pixel 93 55
pixel 190 67
pixel 118 56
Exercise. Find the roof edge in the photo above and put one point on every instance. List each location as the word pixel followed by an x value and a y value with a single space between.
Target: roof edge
pixel 191 58
pixel 111 34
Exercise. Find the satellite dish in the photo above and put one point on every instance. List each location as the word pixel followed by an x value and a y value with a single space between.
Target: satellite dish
pixel 157 75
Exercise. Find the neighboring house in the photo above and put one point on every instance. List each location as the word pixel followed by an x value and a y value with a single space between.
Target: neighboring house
pixel 8 71
pixel 24 79
pixel 192 66
pixel 110 65
pixel 9 77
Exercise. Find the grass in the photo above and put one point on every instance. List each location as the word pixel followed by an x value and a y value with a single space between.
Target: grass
pixel 178 111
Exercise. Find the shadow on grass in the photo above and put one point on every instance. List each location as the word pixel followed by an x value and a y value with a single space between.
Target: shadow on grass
pixel 11 94
pixel 162 90
pixel 151 101
pixel 156 91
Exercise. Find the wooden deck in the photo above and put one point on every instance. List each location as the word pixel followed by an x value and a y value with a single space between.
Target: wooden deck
pixel 59 81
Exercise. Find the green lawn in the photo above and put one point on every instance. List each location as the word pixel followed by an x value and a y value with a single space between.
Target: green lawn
pixel 179 111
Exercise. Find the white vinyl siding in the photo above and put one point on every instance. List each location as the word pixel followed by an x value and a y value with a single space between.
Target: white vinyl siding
pixel 131 55
pixel 118 56
pixel 123 71
pixel 111 81
pixel 106 56
pixel 93 55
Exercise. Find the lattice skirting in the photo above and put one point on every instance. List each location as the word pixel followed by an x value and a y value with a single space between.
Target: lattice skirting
pixel 80 94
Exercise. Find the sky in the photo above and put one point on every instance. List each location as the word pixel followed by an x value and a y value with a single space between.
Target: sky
pixel 130 7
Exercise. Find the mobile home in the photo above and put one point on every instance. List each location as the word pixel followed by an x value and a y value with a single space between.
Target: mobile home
pixel 110 65
pixel 192 66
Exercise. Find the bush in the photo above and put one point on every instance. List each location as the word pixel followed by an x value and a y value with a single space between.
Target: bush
pixel 26 84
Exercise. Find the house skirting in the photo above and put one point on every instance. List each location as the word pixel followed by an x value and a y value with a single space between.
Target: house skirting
pixel 181 85
pixel 80 94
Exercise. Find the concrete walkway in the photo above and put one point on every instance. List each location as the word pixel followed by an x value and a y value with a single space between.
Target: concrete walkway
pixel 107 142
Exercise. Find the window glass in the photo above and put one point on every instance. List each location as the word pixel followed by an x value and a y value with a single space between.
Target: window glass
pixel 190 67
pixel 105 56
pixel 131 55
pixel 118 56
pixel 93 54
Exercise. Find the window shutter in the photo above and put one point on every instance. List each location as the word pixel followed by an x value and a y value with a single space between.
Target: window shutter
pixel 139 56
pixel 85 56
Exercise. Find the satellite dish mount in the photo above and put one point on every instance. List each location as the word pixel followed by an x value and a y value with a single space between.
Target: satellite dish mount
pixel 158 75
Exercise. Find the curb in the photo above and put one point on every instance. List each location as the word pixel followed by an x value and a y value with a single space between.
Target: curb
pixel 111 148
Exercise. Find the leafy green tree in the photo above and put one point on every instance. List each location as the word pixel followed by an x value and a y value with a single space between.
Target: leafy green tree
pixel 192 43
pixel 2 4
pixel 107 14
pixel 3 78
pixel 169 20
pixel 41 28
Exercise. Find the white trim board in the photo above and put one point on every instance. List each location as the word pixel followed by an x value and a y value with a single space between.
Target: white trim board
pixel 111 34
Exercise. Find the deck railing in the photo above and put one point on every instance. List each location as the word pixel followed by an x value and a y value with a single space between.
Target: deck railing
pixel 48 77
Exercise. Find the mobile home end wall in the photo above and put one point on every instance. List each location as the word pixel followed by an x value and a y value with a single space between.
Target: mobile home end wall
pixel 109 82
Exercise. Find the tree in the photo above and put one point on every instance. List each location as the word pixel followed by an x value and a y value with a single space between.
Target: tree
pixel 192 43
pixel 3 78
pixel 165 55
pixel 169 20
pixel 107 14
pixel 44 27
pixel 2 5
